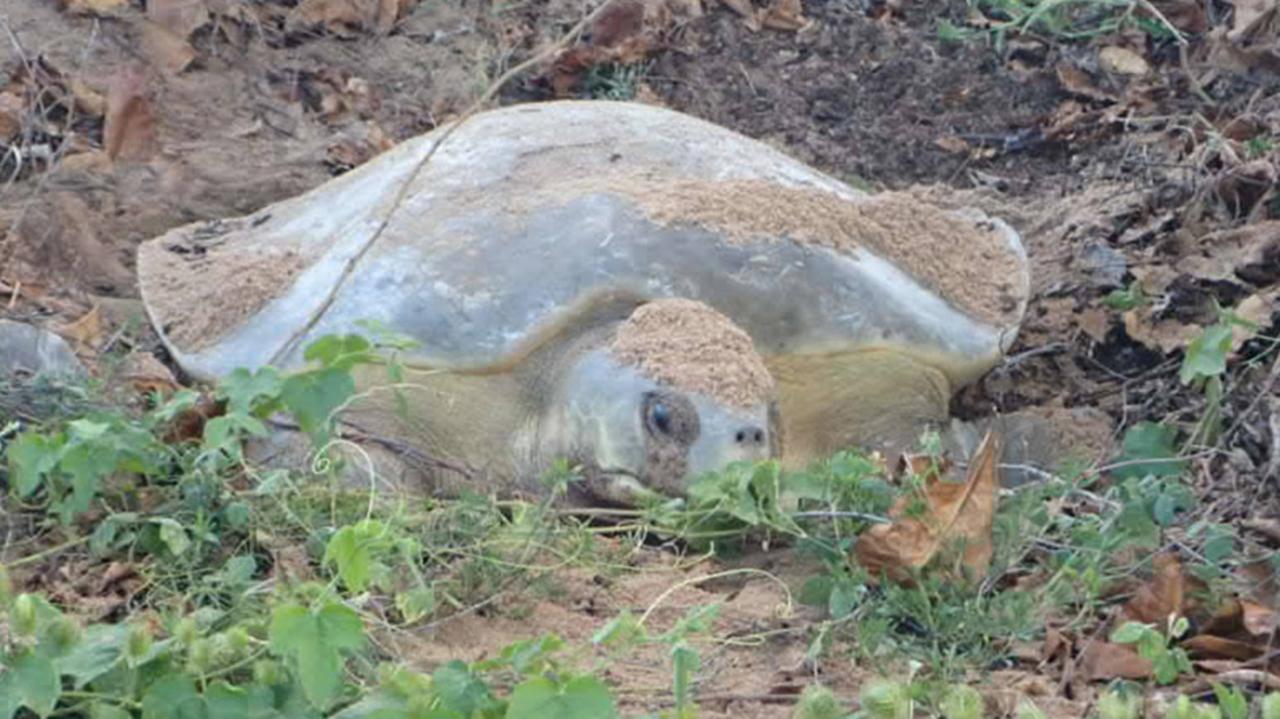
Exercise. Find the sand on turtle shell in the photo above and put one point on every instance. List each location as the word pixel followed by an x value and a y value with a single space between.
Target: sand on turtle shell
pixel 692 347
pixel 198 293
pixel 968 262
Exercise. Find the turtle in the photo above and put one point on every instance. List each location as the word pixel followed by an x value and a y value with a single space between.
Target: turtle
pixel 644 294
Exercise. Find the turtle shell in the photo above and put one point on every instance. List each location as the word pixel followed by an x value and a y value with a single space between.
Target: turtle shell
pixel 522 212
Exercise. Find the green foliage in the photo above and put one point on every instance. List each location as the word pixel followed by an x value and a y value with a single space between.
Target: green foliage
pixel 314 640
pixel 818 702
pixel 1119 705
pixel 962 702
pixel 883 699
pixel 1167 660
pixel 1126 299
pixel 1148 449
pixel 1206 356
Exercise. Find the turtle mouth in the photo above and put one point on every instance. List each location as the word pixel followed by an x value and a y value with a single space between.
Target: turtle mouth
pixel 616 486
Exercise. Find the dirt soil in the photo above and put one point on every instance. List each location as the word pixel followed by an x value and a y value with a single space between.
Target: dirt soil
pixel 121 123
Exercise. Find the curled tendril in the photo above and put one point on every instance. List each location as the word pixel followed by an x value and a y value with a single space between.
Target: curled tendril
pixel 322 464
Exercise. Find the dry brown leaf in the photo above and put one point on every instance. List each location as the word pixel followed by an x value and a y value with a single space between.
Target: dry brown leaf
pixel 746 11
pixel 179 17
pixel 951 143
pixel 129 127
pixel 1264 525
pixel 12 109
pixel 1248 12
pixel 340 17
pixel 1104 660
pixel 1186 15
pixel 1208 646
pixel 101 8
pixel 169 51
pixel 1122 61
pixel 1077 82
pixel 1160 598
pixel 146 374
pixel 786 15
pixel 87 99
pixel 1256 309
pixel 956 512
pixel 1095 322
pixel 86 332
pixel 1162 335
pixel 1055 643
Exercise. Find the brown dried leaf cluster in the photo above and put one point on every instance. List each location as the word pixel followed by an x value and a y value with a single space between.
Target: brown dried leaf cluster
pixel 626 32
pixel 952 534
pixel 1240 634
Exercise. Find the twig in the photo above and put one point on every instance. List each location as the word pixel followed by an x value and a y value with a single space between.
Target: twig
pixel 493 89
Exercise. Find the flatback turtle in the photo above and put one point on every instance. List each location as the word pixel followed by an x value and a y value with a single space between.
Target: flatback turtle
pixel 635 290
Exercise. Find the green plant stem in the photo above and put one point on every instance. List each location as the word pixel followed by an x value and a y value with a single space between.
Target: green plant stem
pixel 32 558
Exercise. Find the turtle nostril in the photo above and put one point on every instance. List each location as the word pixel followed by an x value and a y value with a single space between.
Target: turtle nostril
pixel 740 437
pixel 759 436
pixel 753 435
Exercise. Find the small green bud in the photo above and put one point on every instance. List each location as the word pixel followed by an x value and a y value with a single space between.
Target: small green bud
pixel 818 702
pixel 267 672
pixel 237 642
pixel 200 656
pixel 137 644
pixel 22 617
pixel 64 632
pixel 962 702
pixel 883 699
pixel 186 632
pixel 1113 705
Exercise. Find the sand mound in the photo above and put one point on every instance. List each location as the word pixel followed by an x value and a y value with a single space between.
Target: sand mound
pixel 197 291
pixel 692 347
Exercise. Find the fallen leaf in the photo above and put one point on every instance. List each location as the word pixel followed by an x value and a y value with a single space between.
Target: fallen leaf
pixel 951 143
pixel 1160 598
pixel 1246 13
pixel 87 99
pixel 1256 309
pixel 101 8
pixel 179 17
pixel 1095 322
pixel 1055 643
pixel 956 512
pixel 1186 15
pixel 1077 82
pixel 168 50
pixel 12 109
pixel 1208 646
pixel 340 17
pixel 1105 660
pixel 146 374
pixel 1264 525
pixel 129 127
pixel 786 15
pixel 86 332
pixel 746 11
pixel 1122 61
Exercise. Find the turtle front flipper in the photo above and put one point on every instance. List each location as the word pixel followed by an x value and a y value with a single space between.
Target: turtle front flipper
pixel 876 399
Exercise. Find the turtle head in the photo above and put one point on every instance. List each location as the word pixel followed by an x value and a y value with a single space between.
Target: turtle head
pixel 677 391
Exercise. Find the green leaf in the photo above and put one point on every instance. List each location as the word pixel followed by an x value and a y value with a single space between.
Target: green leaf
pixel 31 457
pixel 1130 632
pixel 1206 355
pixel 1233 702
pixel 460 690
pixel 580 698
pixel 1271 706
pixel 314 641
pixel 845 594
pixel 353 549
pixel 98 650
pixel 962 702
pixel 35 682
pixel 622 630
pixel 173 535
pixel 173 696
pixel 243 390
pixel 1149 441
pixel 338 351
pixel 313 396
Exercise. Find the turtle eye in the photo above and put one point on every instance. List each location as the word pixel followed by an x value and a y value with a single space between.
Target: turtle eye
pixel 669 417
pixel 660 417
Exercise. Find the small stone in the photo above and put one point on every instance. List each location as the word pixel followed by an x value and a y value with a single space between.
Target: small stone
pixel 1122 61
pixel 28 349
